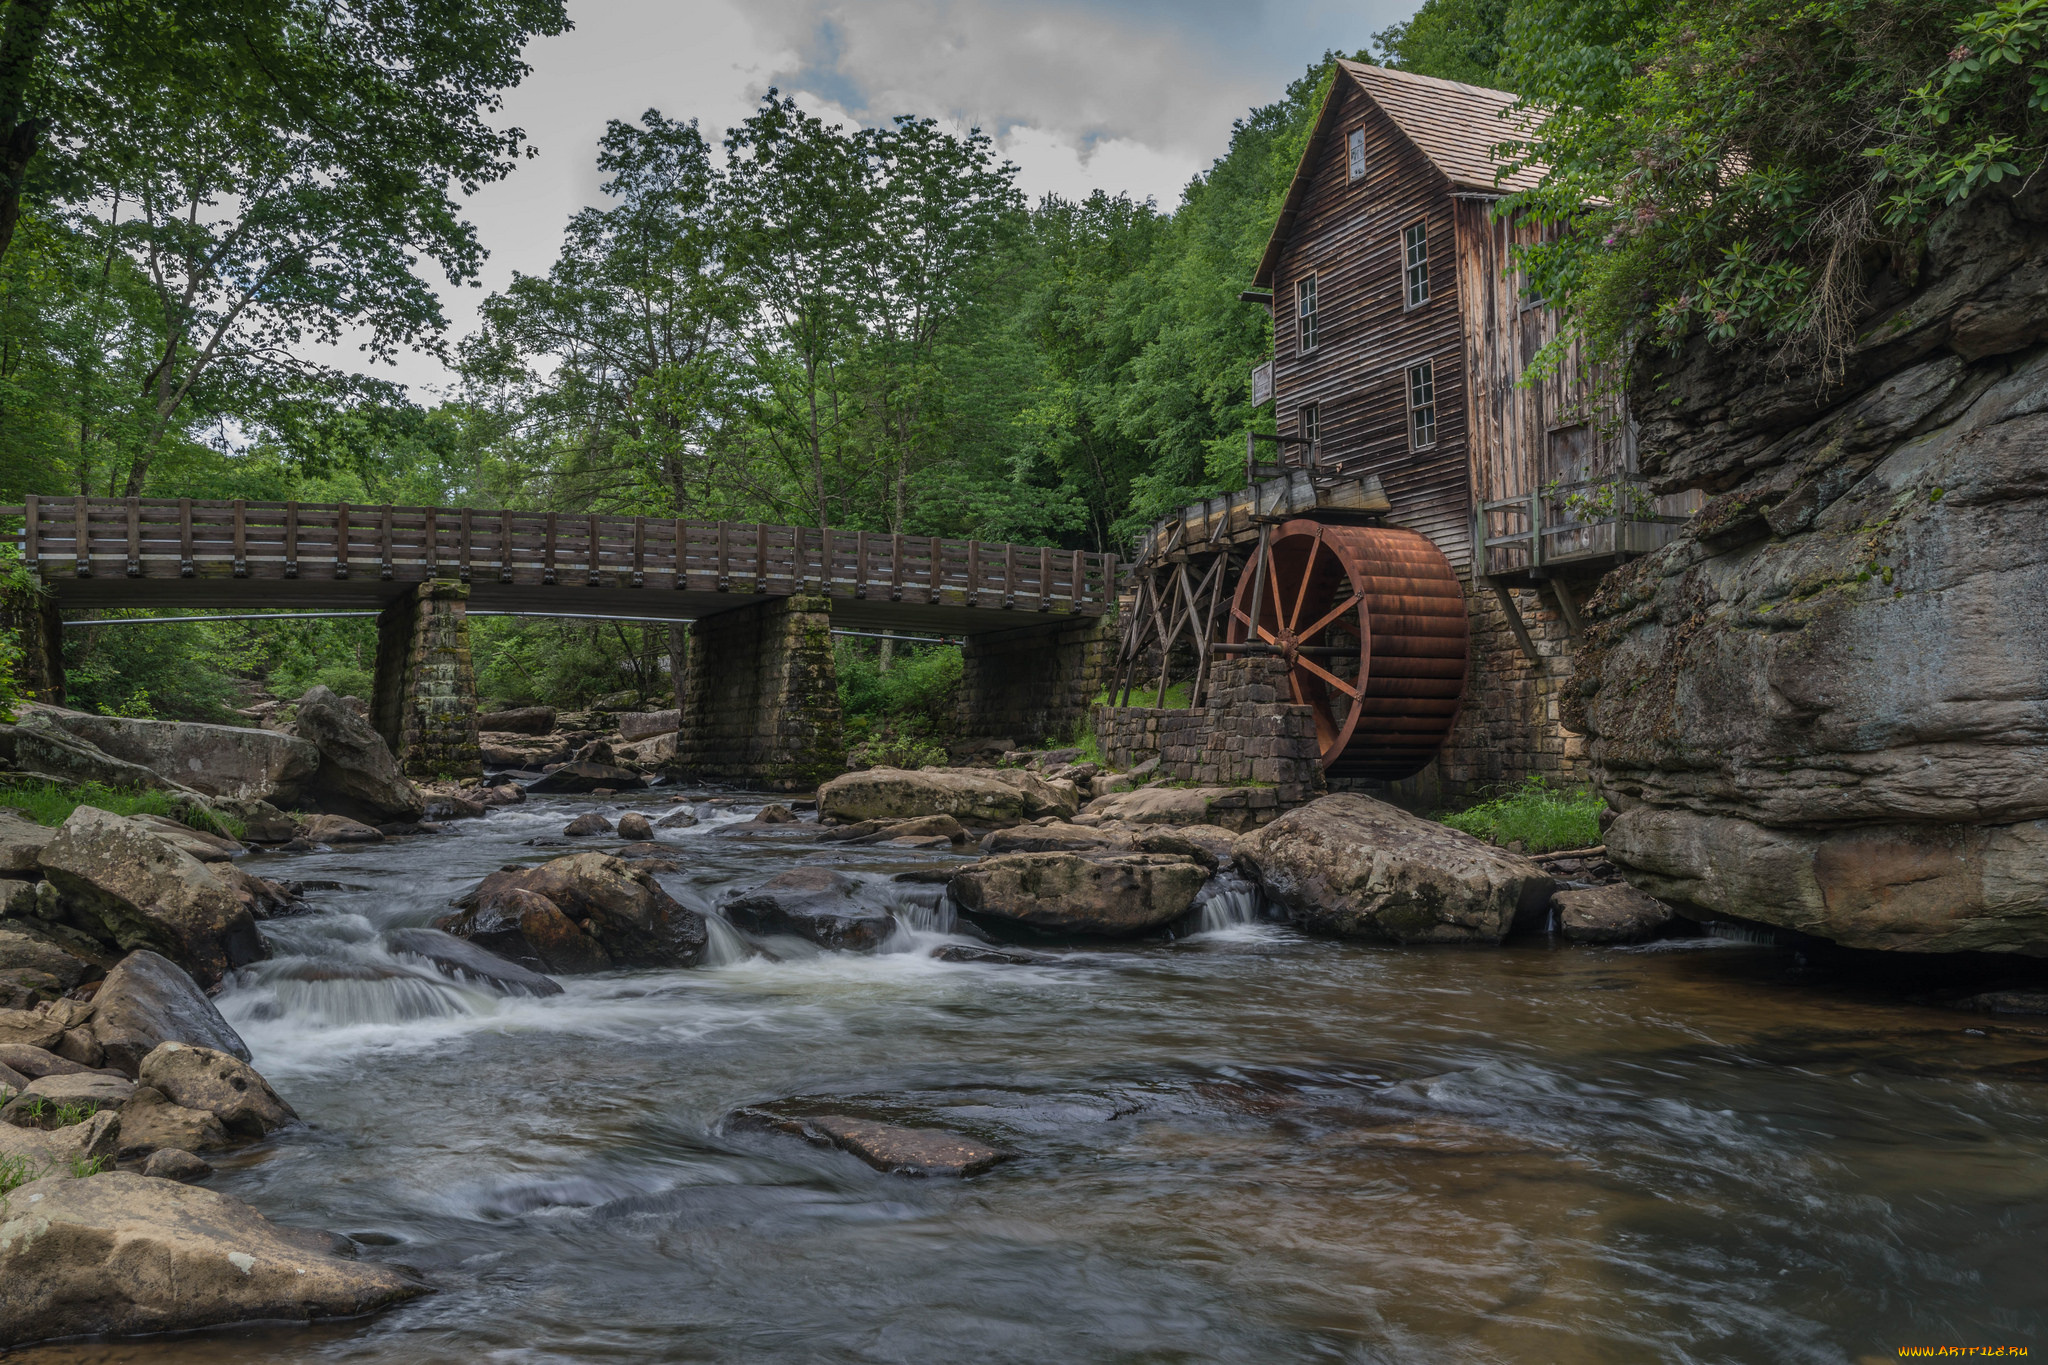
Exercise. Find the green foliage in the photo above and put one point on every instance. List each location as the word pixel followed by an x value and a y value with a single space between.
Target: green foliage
pixel 182 672
pixel 83 1166
pixel 912 697
pixel 46 803
pixel 896 752
pixel 1538 816
pixel 1453 40
pixel 1739 167
pixel 567 664
pixel 16 1171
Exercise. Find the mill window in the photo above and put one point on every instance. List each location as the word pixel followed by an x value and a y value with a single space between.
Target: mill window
pixel 1357 147
pixel 1305 311
pixel 1309 426
pixel 1421 406
pixel 1416 243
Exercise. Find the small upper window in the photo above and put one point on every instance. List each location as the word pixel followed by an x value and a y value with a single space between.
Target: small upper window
pixel 1305 311
pixel 1310 423
pixel 1358 153
pixel 1421 406
pixel 1416 242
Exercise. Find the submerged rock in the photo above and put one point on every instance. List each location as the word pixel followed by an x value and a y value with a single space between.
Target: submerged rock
pixel 461 959
pixel 1349 865
pixel 358 777
pixel 634 825
pixel 887 1147
pixel 814 903
pixel 980 953
pixel 122 1254
pixel 1609 914
pixel 682 817
pixel 121 882
pixel 148 1000
pixel 1104 893
pixel 339 829
pixel 600 912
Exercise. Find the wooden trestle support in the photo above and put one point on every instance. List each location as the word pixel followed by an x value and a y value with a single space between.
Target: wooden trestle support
pixel 1370 620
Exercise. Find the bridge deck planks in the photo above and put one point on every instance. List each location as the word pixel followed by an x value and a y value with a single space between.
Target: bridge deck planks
pixel 180 553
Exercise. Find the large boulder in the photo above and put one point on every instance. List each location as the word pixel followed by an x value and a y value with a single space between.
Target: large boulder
pixel 1075 893
pixel 971 796
pixel 501 750
pixel 1349 865
pixel 125 884
pixel 638 725
pixel 218 1084
pixel 1824 706
pixel 1045 797
pixel 42 747
pixel 815 903
pixel 520 720
pixel 147 1001
pixel 121 1254
pixel 21 843
pixel 1608 914
pixel 587 776
pixel 150 1122
pixel 217 760
pixel 358 776
pixel 1233 808
pixel 610 914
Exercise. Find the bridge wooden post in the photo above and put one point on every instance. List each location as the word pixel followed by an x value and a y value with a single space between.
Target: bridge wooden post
pixel 424 702
pixel 760 697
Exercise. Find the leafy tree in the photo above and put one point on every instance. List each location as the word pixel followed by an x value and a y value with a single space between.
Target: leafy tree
pixel 1454 40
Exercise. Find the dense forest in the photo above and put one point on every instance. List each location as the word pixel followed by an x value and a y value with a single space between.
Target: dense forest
pixel 864 327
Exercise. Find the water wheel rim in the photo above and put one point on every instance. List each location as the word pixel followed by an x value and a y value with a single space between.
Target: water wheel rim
pixel 1289 581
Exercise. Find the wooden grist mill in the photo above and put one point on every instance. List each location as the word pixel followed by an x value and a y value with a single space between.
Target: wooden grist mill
pixel 1369 619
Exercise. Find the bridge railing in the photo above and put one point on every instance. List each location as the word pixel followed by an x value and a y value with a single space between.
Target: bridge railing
pixel 157 538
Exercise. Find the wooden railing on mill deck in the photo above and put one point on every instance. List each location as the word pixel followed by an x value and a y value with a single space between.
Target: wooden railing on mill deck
pixel 160 538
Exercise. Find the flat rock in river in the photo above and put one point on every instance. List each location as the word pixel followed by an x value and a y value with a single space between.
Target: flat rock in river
pixel 1105 893
pixel 1349 865
pixel 815 903
pixel 1609 914
pixel 886 1146
pixel 461 959
pixel 585 776
pixel 121 1254
pixel 608 913
pixel 969 796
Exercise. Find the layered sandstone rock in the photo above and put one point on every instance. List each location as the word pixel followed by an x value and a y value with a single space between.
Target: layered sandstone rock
pixel 1825 706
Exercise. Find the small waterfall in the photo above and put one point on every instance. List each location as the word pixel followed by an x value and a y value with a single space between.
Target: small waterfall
pixel 332 994
pixel 723 946
pixel 928 914
pixel 1746 933
pixel 1227 901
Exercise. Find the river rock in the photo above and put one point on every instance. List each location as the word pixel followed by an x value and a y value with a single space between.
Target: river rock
pixel 774 813
pixel 682 817
pixel 528 927
pixel 588 823
pixel 1609 914
pixel 1231 808
pixel 463 960
pixel 971 796
pixel 207 848
pixel 503 751
pixel 29 1028
pixel 22 948
pixel 981 953
pixel 226 1087
pixel 48 1150
pixel 638 725
pixel 151 1122
pixel 1103 893
pixel 42 746
pixel 814 903
pixel 33 1062
pixel 173 1163
pixel 339 829
pixel 617 908
pixel 120 1254
pixel 887 1147
pixel 21 843
pixel 943 827
pixel 216 760
pixel 585 776
pixel 122 883
pixel 148 1000
pixel 1824 706
pixel 634 825
pixel 358 777
pixel 90 1091
pixel 1056 836
pixel 1349 865
pixel 521 720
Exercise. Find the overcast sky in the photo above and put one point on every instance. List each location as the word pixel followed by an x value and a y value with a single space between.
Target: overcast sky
pixel 1121 95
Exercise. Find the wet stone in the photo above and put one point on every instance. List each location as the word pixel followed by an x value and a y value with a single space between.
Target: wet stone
pixel 171 1163
pixel 887 1147
pixel 590 822
pixel 634 825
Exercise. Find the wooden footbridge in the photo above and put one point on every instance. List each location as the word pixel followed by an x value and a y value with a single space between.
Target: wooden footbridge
pixel 760 701
pixel 182 553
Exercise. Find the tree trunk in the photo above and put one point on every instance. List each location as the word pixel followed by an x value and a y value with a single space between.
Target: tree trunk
pixel 21 43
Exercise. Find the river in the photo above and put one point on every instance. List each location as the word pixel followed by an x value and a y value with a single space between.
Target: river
pixel 1237 1145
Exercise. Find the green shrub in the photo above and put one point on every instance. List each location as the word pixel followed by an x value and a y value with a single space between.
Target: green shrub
pixel 46 803
pixel 1541 818
pixel 916 695
pixel 15 1171
pixel 893 752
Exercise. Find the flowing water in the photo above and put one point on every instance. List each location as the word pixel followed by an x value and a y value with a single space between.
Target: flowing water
pixel 1237 1144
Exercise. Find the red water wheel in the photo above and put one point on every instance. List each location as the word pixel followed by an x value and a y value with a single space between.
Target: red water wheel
pixel 1371 622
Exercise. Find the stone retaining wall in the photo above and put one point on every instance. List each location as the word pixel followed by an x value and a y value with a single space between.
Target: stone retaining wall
pixel 1246 734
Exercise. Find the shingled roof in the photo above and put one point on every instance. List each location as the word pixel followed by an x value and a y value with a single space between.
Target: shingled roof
pixel 1454 126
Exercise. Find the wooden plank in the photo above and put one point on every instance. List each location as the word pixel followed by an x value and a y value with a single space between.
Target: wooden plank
pixel 1009 577
pixel 241 538
pixel 291 540
pixel 341 547
pixel 506 547
pixel 32 531
pixel 760 557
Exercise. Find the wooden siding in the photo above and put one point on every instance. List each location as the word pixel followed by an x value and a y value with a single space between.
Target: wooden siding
pixel 1350 236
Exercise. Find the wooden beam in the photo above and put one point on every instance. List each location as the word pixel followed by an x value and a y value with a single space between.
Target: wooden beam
pixel 1514 615
pixel 1567 606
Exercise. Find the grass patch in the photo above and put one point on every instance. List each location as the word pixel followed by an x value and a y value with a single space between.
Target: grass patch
pixel 15 1172
pixel 1541 817
pixel 46 803
pixel 1146 695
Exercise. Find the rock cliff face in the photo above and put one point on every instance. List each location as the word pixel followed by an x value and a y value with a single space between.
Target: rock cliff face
pixel 1826 705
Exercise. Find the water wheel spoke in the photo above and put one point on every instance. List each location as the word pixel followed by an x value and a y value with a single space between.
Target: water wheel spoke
pixel 1348 604
pixel 1327 676
pixel 1308 575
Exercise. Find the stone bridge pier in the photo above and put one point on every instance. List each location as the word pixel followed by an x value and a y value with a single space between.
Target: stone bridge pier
pixel 424 699
pixel 1035 684
pixel 760 700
